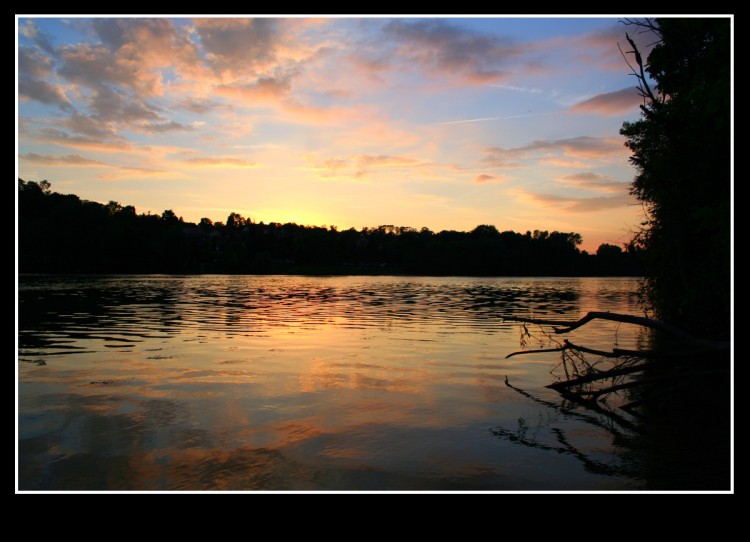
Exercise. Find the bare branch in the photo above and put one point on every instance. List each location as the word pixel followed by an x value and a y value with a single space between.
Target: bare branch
pixel 642 76
pixel 540 350
pixel 563 326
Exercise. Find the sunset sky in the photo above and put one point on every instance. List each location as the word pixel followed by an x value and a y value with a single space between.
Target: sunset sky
pixel 445 123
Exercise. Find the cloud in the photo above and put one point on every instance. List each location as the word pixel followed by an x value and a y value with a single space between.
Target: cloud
pixel 610 103
pixel 488 178
pixel 527 90
pixel 563 162
pixel 34 63
pixel 594 181
pixel 60 160
pixel 576 148
pixel 368 160
pixel 161 46
pixel 220 162
pixel 239 45
pixel 115 108
pixel 196 105
pixel 262 90
pixel 134 53
pixel 59 137
pixel 443 49
pixel 357 167
pixel 30 88
pixel 584 147
pixel 94 66
pixel 40 39
pixel 76 160
pixel 88 126
pixel 110 104
pixel 161 127
pixel 568 204
pixel 127 172
pixel 601 46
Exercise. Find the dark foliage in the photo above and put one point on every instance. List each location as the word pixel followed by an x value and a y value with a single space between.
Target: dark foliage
pixel 63 234
pixel 681 150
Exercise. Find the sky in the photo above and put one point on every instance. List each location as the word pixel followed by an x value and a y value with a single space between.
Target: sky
pixel 436 122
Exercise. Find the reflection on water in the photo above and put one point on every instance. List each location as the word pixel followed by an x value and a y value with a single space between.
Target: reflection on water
pixel 304 383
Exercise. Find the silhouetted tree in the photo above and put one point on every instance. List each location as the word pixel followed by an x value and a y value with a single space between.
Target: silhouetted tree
pixel 681 151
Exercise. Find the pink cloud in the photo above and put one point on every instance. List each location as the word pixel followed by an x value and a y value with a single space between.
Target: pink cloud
pixel 610 103
pixel 487 178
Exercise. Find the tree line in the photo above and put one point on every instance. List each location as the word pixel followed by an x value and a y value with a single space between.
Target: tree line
pixel 62 233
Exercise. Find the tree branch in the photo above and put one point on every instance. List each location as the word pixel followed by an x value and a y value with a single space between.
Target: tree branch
pixel 564 326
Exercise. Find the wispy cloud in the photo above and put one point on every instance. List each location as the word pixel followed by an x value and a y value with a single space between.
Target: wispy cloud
pixel 76 160
pixel 485 119
pixel 82 142
pixel 42 40
pixel 60 160
pixel 359 166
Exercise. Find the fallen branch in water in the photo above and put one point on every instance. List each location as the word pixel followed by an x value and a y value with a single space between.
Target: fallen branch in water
pixel 566 326
pixel 580 374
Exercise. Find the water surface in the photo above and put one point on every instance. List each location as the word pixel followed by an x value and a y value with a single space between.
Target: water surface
pixel 306 383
